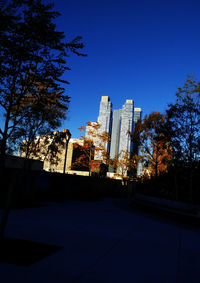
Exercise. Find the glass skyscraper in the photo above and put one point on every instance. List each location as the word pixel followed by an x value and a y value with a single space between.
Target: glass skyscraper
pixel 119 126
pixel 137 114
pixel 115 135
pixel 105 121
pixel 127 125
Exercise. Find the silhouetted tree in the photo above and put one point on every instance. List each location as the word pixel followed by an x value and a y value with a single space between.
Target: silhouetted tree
pixel 39 119
pixel 183 123
pixel 183 127
pixel 2 3
pixel 32 62
pixel 33 57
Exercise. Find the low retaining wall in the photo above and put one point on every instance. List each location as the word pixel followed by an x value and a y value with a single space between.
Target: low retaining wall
pixel 169 204
pixel 32 186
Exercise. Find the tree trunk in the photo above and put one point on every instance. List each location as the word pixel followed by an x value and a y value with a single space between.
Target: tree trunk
pixel 8 203
pixel 190 186
pixel 176 186
pixel 4 180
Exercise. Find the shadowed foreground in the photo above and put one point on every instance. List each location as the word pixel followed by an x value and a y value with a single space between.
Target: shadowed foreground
pixel 102 241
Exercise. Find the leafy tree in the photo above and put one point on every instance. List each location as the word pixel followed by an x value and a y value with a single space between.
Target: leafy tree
pixel 183 130
pixel 33 57
pixel 32 62
pixel 154 148
pixel 36 121
pixel 99 139
pixel 82 156
pixel 183 120
pixel 123 164
pixel 93 145
pixel 2 2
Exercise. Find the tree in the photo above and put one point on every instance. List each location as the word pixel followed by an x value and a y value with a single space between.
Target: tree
pixel 40 118
pixel 123 164
pixel 82 156
pixel 154 147
pixel 183 130
pixel 2 2
pixel 99 138
pixel 94 142
pixel 183 120
pixel 32 62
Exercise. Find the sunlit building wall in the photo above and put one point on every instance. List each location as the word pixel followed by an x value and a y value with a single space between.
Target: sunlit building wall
pixel 115 135
pixel 127 126
pixel 105 121
pixel 137 114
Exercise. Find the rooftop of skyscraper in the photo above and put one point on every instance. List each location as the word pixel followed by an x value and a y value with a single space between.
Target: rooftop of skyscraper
pixel 129 101
pixel 105 98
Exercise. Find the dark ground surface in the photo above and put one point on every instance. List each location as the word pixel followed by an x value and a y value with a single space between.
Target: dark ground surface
pixel 104 241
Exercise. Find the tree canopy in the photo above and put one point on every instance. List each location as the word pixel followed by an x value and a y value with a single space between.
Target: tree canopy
pixel 33 59
pixel 155 150
pixel 93 146
pixel 183 123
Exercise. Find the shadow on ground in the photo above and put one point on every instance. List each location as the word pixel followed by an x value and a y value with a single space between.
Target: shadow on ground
pixel 23 252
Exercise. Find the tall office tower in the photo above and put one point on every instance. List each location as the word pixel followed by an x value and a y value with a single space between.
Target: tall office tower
pixel 116 123
pixel 127 125
pixel 105 121
pixel 137 114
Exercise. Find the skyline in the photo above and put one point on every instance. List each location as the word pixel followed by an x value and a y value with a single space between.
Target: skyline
pixel 136 50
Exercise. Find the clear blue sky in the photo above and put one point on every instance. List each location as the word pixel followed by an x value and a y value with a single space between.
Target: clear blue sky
pixel 140 50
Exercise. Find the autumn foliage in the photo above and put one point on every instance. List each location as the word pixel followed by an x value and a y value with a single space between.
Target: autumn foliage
pixel 93 143
pixel 155 150
pixel 82 155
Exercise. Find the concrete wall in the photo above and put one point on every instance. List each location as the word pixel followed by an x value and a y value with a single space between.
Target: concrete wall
pixel 168 203
pixel 12 161
pixel 60 166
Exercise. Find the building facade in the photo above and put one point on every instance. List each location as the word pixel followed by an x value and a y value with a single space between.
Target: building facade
pixel 105 122
pixel 115 134
pixel 127 126
pixel 105 114
pixel 137 114
pixel 119 125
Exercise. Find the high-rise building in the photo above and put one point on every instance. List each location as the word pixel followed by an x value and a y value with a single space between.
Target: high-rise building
pixel 105 121
pixel 119 126
pixel 105 114
pixel 115 134
pixel 137 114
pixel 127 125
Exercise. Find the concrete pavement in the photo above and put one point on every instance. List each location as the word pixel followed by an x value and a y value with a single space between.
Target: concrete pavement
pixel 104 241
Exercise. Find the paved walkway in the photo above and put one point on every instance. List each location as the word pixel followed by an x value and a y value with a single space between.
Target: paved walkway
pixel 104 241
